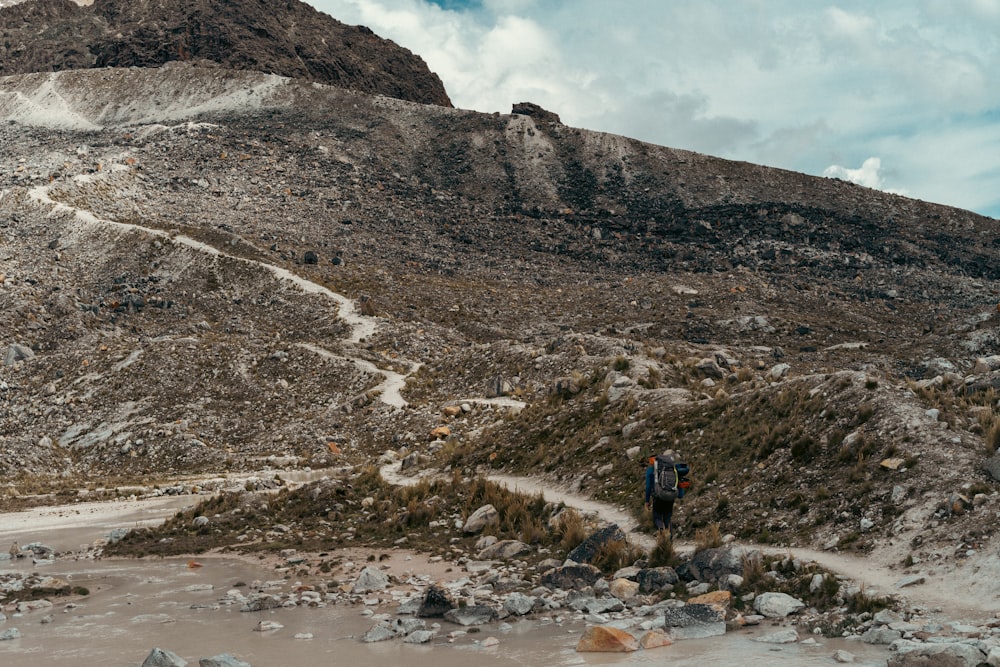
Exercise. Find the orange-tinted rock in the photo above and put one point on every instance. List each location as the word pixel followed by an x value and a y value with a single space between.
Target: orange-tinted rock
pixel 604 639
pixel 655 639
pixel 441 432
pixel 718 599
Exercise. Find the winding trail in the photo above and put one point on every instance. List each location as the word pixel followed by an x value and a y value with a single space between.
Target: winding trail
pixel 362 327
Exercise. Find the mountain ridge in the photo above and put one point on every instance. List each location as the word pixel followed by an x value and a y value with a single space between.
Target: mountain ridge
pixel 288 38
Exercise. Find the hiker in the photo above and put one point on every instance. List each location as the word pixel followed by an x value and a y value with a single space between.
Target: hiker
pixel 662 508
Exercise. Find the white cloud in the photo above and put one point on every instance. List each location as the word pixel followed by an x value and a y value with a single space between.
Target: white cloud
pixel 798 85
pixel 867 175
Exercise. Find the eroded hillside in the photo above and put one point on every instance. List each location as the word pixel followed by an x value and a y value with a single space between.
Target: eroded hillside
pixel 563 301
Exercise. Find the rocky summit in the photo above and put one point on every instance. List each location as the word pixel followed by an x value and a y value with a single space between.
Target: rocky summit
pixel 288 38
pixel 227 265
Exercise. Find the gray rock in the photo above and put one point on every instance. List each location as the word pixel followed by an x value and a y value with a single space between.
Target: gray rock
pixel 786 636
pixel 504 550
pixel 605 605
pixel 655 579
pixel 200 521
pixel 478 614
pixel 519 604
pixel 159 657
pixel 9 634
pixel 911 580
pixel 710 368
pixel 380 632
pixel 694 621
pixel 711 565
pixel 370 579
pixel 222 660
pixel 776 605
pixel 485 541
pixel 16 353
pixel 843 657
pixel 779 371
pixel 260 602
pixel 881 635
pixel 917 654
pixel 437 602
pixel 886 617
pixel 571 577
pixel 992 466
pixel 419 637
pixel 480 519
pixel 585 552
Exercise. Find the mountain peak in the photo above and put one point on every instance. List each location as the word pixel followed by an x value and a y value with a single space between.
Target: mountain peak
pixel 289 38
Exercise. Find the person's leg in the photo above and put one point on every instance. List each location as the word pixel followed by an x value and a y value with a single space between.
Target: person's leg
pixel 658 517
pixel 668 513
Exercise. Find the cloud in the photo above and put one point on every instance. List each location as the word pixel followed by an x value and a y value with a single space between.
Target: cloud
pixel 868 175
pixel 784 83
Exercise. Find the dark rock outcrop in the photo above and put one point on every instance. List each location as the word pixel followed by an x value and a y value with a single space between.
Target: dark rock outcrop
pixel 289 38
pixel 586 550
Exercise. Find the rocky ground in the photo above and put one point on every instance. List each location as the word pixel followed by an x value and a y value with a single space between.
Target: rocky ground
pixel 180 247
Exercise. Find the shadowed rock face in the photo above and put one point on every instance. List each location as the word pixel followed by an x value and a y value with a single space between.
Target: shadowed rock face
pixel 289 38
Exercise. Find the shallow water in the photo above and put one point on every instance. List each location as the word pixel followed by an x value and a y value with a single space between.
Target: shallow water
pixel 135 606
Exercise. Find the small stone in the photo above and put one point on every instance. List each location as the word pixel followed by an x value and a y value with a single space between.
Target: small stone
pixel 159 657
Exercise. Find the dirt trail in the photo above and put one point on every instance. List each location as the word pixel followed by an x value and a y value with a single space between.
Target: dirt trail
pixel 971 593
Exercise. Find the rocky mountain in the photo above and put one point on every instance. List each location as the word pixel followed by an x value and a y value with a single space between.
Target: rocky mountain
pixel 288 38
pixel 207 269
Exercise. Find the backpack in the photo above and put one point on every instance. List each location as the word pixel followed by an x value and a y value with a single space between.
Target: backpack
pixel 669 478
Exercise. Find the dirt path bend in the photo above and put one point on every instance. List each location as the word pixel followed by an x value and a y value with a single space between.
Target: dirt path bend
pixel 970 593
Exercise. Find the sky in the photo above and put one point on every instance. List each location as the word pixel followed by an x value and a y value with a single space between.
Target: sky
pixel 899 95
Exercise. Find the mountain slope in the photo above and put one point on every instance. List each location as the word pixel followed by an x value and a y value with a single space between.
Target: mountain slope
pixel 787 333
pixel 288 38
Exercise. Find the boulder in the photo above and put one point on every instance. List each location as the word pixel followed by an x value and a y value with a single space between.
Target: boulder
pixel 605 639
pixel 992 466
pixel 719 600
pixel 538 113
pixel 786 636
pixel 655 579
pixel 843 657
pixel 712 565
pixel 9 634
pixel 694 621
pixel 655 639
pixel 380 632
pixel 777 605
pixel 17 353
pixel 370 579
pixel 419 637
pixel 437 602
pixel 604 605
pixel 571 577
pixel 623 589
pixel 504 550
pixel 478 614
pixel 518 604
pixel 917 654
pixel 480 519
pixel 159 657
pixel 585 552
pixel 881 635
